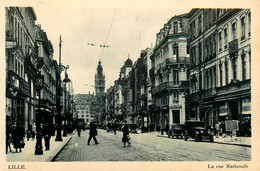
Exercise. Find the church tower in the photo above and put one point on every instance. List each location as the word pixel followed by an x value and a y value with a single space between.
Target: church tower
pixel 99 81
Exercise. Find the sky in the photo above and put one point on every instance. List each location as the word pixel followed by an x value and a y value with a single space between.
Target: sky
pixel 133 28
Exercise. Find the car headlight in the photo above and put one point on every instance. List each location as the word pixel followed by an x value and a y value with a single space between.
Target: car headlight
pixel 197 132
pixel 201 131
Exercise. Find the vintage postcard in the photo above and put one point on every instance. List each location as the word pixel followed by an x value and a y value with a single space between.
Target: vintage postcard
pixel 129 85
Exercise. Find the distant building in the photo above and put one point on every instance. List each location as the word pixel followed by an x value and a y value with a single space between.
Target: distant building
pixel 86 107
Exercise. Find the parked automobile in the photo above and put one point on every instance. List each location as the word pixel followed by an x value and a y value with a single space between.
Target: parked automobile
pixel 176 131
pixel 133 128
pixel 198 131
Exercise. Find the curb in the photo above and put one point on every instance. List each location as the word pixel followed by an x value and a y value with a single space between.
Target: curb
pixel 52 158
pixel 244 145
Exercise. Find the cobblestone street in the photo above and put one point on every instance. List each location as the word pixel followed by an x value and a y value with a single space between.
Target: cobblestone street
pixel 148 147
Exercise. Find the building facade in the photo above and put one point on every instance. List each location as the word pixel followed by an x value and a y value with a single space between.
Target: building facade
pixel 29 53
pixel 169 73
pixel 21 65
pixel 220 84
pixel 86 107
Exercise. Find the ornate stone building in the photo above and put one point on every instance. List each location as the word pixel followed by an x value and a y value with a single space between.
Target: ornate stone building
pixel 169 73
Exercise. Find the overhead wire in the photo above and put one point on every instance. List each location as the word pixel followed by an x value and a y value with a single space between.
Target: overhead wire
pixel 104 46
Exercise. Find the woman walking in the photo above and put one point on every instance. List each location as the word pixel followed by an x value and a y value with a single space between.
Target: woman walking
pixel 126 137
pixel 18 137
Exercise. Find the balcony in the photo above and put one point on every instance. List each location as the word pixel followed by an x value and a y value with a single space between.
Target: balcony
pixel 170 85
pixel 171 61
pixel 233 46
pixel 235 87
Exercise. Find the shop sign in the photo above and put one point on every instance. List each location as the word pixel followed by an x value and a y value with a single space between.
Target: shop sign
pixel 10 44
pixel 231 125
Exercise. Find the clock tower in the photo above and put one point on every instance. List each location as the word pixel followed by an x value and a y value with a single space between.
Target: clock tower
pixel 99 81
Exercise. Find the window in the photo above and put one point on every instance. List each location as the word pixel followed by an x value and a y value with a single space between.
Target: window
pixel 206 49
pixel 220 74
pixel 19 70
pixel 175 77
pixel 200 54
pixel 175 27
pixel 175 50
pixel 234 31
pixel 199 27
pixel 220 41
pixel 176 116
pixel 249 24
pixel 243 57
pixel 207 78
pixel 226 72
pixel 22 70
pixel 175 96
pixel 243 28
pixel 234 65
pixel 225 38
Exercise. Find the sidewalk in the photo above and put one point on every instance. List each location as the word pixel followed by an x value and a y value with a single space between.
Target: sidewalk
pixel 240 141
pixel 27 154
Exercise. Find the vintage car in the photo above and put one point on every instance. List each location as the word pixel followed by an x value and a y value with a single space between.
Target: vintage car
pixel 133 128
pixel 176 131
pixel 198 131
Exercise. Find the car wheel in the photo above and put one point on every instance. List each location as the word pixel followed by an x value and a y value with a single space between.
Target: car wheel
pixel 211 139
pixel 185 138
pixel 196 139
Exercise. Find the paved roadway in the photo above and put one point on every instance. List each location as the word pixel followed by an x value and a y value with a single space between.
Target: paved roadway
pixel 148 147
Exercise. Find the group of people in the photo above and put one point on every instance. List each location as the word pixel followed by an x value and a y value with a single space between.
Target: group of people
pixel 220 129
pixel 93 133
pixel 15 136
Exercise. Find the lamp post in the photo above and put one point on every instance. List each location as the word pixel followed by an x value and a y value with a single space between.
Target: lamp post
pixel 66 80
pixel 39 134
pixel 58 99
pixel 72 108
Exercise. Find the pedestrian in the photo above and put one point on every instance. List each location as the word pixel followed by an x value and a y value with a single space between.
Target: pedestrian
pixel 92 133
pixel 158 128
pixel 223 129
pixel 126 137
pixel 18 137
pixel 167 129
pixel 47 136
pixel 217 128
pixel 9 138
pixel 33 135
pixel 115 126
pixel 78 130
pixel 28 134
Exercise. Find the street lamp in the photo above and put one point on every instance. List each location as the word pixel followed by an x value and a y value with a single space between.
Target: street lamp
pixel 38 147
pixel 66 80
pixel 72 107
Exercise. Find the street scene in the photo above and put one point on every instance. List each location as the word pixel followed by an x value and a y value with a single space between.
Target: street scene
pixel 178 91
pixel 148 147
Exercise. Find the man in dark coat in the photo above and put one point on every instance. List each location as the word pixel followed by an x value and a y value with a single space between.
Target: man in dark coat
pixel 92 133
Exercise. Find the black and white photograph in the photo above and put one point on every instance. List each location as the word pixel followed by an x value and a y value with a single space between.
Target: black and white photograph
pixel 129 85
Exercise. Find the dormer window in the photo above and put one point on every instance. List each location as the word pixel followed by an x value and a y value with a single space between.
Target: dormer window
pixel 243 28
pixel 175 27
pixel 234 30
